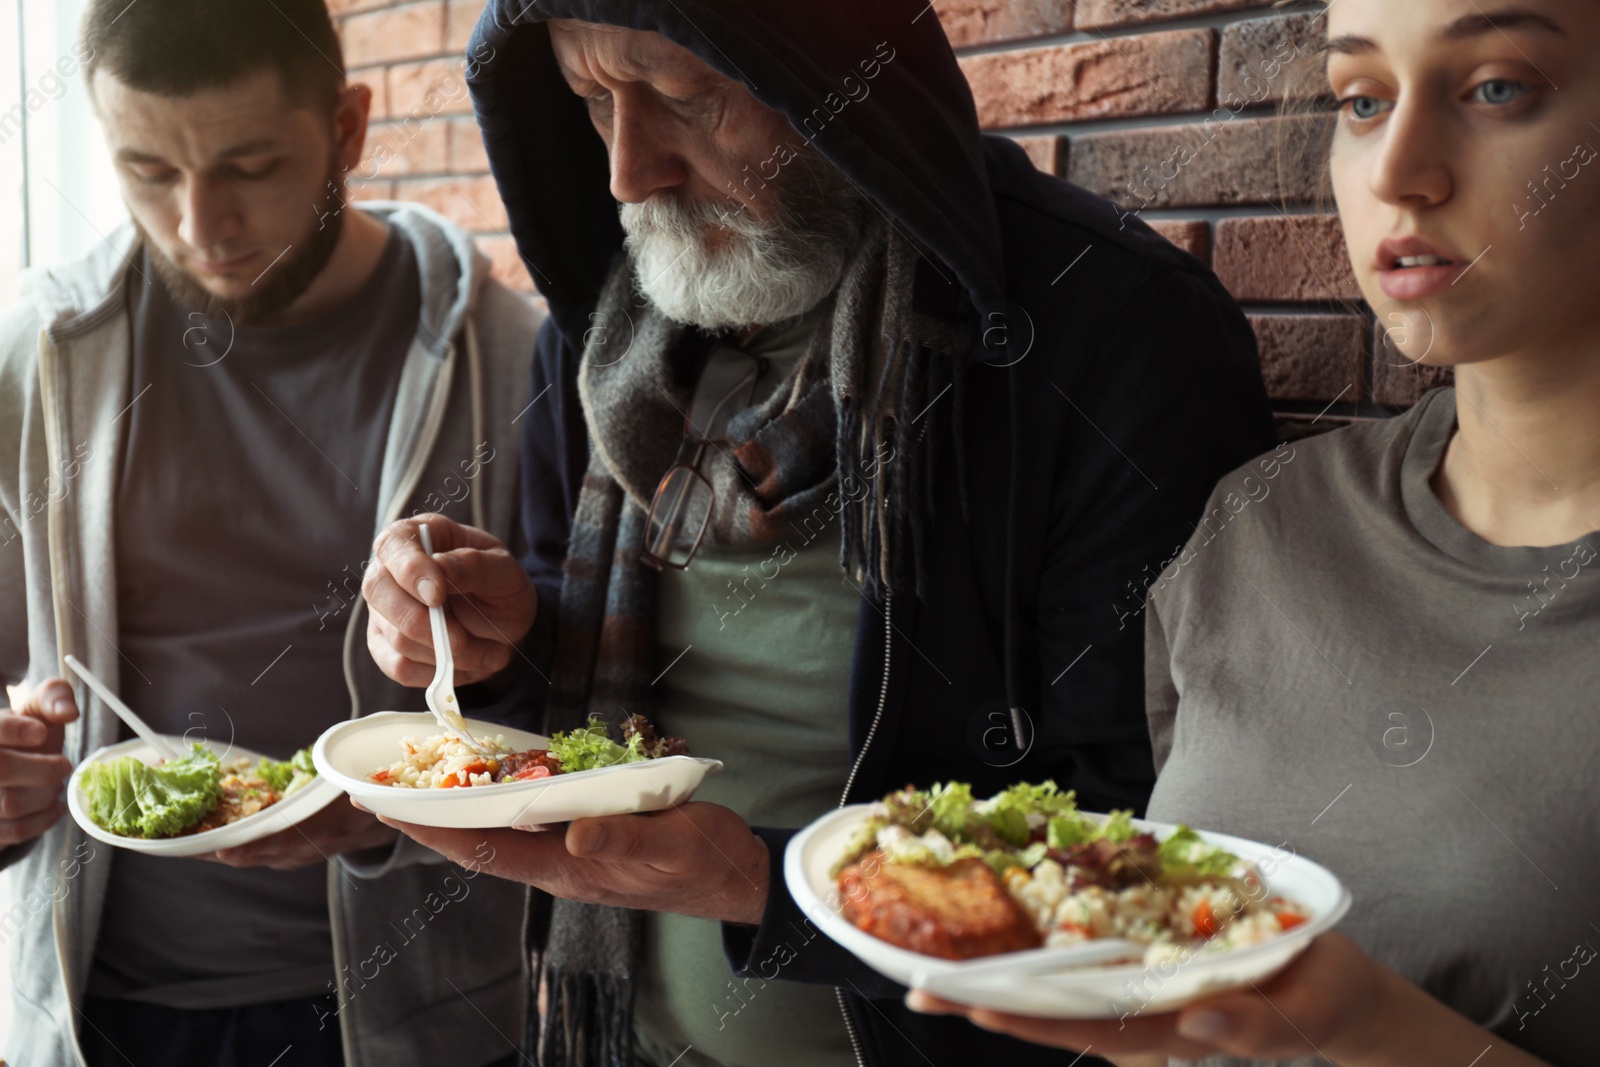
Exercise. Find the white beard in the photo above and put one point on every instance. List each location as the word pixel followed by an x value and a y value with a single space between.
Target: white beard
pixel 760 272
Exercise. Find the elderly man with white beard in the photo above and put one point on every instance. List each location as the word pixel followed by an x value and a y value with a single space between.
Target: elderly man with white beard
pixel 851 435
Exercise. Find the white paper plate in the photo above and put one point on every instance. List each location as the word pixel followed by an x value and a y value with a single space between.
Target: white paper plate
pixel 297 807
pixel 1089 993
pixel 349 752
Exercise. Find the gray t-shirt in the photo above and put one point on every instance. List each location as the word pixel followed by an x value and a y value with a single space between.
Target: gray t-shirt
pixel 247 503
pixel 1357 676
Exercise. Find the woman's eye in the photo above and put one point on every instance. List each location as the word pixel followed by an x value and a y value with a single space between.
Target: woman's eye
pixel 1499 92
pixel 1365 108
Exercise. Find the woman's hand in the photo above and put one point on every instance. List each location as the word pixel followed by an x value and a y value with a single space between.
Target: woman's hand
pixel 1333 1001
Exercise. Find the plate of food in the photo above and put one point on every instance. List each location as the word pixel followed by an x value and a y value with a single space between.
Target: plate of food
pixel 403 765
pixel 126 795
pixel 966 898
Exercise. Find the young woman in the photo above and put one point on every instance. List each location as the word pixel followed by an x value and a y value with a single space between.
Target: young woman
pixel 1388 662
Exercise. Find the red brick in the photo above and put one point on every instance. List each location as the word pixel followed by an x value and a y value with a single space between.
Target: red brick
pixel 406 32
pixel 1221 160
pixel 1159 73
pixel 1263 61
pixel 1191 235
pixel 1312 357
pixel 507 264
pixel 402 149
pixel 472 203
pixel 1301 257
pixel 467 155
pixel 1102 14
pixel 460 18
pixel 435 87
pixel 968 22
pixel 374 78
pixel 1046 152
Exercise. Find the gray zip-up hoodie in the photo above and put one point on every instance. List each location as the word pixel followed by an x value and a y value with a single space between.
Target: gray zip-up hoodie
pixel 428 956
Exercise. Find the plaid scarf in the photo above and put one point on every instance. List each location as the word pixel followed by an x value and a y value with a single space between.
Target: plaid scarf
pixel 841 412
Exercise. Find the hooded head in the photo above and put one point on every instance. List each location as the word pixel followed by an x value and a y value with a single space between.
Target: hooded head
pixel 831 112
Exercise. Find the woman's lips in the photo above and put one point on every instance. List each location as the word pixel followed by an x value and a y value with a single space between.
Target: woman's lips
pixel 1416 282
pixel 1419 283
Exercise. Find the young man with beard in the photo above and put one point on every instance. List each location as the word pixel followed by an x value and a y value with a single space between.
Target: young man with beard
pixel 203 425
pixel 941 419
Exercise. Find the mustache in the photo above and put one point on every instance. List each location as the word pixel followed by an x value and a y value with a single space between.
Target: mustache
pixel 689 220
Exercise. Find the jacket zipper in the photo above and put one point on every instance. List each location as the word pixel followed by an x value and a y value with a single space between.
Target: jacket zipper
pixel 872 732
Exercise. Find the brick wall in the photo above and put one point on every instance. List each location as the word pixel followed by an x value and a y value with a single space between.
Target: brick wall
pixel 1174 108
pixel 1170 107
pixel 424 144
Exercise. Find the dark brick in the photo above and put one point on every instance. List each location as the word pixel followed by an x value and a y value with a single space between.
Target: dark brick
pixel 1102 14
pixel 1222 160
pixel 1264 61
pixel 1312 357
pixel 1277 258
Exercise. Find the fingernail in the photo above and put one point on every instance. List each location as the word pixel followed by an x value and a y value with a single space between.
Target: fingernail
pixel 33 732
pixel 1203 1025
pixel 60 705
pixel 591 839
pixel 427 590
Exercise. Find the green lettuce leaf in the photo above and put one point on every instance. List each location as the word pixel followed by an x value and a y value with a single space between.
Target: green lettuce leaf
pixel 132 799
pixel 1065 831
pixel 1185 851
pixel 1009 809
pixel 951 806
pixel 287 776
pixel 1119 827
pixel 591 746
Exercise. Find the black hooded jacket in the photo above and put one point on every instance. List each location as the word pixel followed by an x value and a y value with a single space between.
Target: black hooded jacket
pixel 1114 382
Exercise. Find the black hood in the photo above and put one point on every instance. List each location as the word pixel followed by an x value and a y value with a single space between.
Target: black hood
pixel 872 84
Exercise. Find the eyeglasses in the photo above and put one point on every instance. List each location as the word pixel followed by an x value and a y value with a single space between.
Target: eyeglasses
pixel 680 512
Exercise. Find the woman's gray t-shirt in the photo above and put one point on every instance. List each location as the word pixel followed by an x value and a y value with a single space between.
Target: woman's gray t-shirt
pixel 1337 665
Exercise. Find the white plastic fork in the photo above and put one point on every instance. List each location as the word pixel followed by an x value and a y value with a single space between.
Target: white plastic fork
pixel 441 693
pixel 158 744
pixel 957 982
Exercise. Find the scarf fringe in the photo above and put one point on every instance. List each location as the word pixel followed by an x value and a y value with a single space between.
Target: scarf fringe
pixel 589 1021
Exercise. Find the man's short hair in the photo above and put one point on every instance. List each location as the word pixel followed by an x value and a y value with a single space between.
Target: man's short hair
pixel 177 48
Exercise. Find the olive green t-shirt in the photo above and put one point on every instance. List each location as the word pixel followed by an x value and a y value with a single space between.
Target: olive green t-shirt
pixel 756 647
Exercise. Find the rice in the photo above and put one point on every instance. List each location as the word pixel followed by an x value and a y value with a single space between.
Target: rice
pixel 1162 917
pixel 439 762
